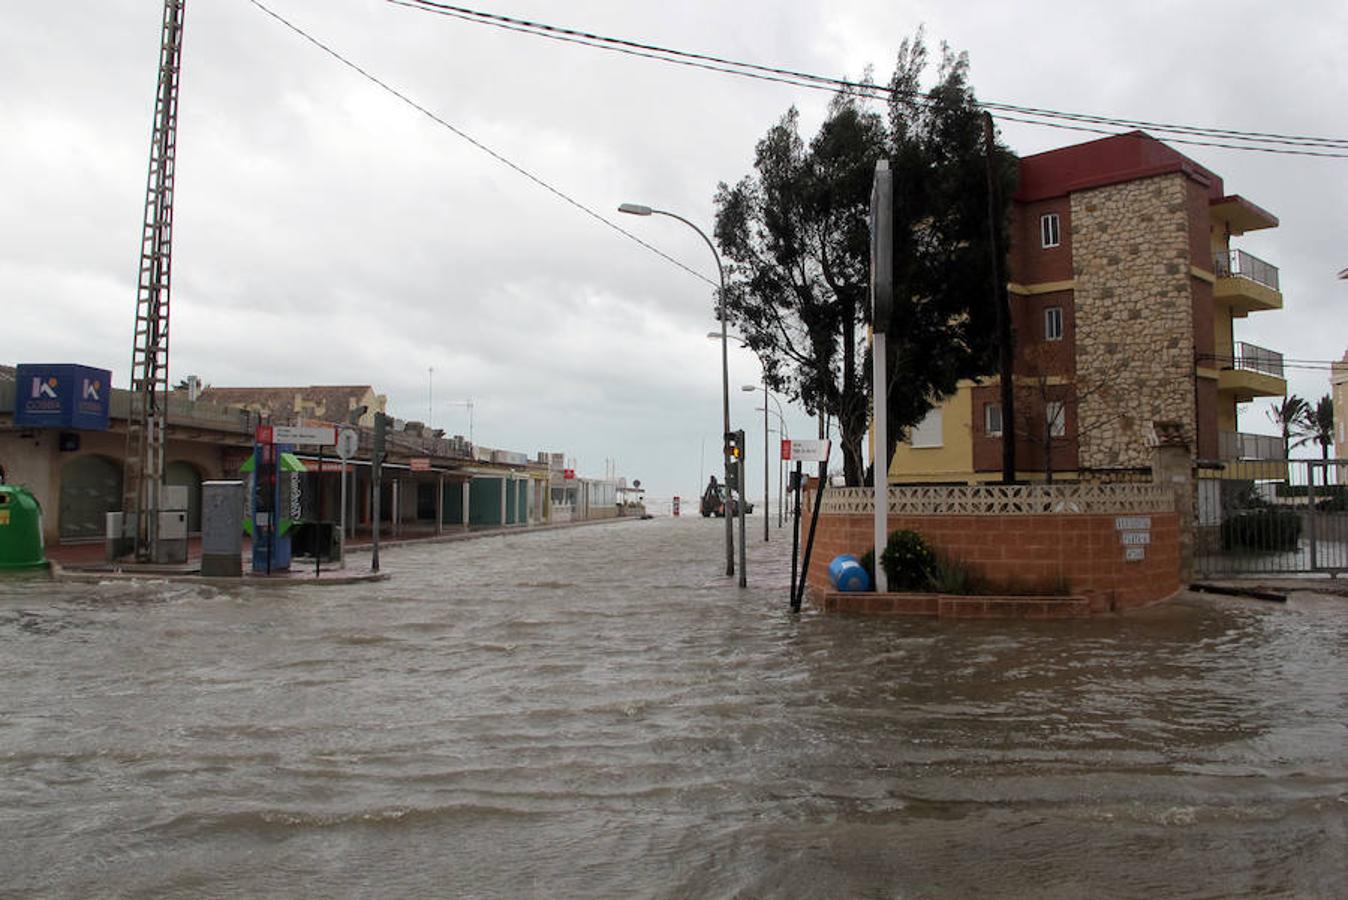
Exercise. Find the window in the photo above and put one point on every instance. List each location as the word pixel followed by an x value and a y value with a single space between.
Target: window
pixel 1056 414
pixel 992 419
pixel 1048 230
pixel 927 433
pixel 1053 323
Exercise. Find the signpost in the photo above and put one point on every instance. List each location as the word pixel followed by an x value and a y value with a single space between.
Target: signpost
pixel 348 442
pixel 803 452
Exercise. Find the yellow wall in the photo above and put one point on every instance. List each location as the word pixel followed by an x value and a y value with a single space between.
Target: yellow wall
pixel 954 459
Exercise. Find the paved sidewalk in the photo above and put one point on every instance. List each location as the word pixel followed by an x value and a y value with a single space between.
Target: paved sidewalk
pixel 86 561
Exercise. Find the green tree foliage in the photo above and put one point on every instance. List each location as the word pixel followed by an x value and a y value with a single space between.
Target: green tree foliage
pixel 1289 416
pixel 797 237
pixel 1316 424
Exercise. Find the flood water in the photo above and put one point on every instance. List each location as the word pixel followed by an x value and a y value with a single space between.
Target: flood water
pixel 599 712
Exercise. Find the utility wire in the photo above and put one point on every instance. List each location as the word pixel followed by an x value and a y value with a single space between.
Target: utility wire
pixel 557 192
pixel 1285 144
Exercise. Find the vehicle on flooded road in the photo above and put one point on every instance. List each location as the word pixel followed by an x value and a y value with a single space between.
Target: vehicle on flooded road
pixel 714 502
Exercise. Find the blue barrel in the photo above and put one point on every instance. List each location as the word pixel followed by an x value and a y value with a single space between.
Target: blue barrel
pixel 846 574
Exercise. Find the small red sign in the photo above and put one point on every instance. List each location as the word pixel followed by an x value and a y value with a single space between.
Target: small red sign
pixel 568 474
pixel 419 464
pixel 263 434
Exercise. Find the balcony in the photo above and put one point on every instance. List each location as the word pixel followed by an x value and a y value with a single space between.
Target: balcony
pixel 1245 283
pixel 1254 372
pixel 1237 445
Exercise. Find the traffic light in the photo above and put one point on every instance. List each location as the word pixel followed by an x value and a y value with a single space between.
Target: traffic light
pixel 734 446
pixel 734 458
pixel 380 431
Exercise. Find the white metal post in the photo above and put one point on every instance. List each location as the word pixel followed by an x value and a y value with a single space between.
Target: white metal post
pixel 880 474
pixel 882 299
pixel 341 527
pixel 767 484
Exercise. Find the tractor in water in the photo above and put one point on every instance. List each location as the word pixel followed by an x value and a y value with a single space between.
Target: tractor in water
pixel 714 501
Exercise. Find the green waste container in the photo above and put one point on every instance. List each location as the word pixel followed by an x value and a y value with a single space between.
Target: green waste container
pixel 20 529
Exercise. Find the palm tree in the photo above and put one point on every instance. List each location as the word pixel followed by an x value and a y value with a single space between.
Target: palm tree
pixel 1317 424
pixel 1288 416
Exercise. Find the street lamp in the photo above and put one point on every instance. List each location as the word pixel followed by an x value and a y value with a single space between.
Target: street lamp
pixel 767 493
pixel 785 434
pixel 636 209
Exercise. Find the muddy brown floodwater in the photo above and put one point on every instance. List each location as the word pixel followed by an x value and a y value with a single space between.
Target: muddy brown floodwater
pixel 599 712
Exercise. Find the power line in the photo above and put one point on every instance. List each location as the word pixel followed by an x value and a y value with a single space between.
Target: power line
pixel 557 192
pixel 1285 144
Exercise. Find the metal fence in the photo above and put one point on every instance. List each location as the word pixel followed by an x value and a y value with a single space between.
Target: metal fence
pixel 1239 264
pixel 1272 516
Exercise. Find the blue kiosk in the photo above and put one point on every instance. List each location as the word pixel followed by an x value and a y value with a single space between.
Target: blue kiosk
pixel 273 505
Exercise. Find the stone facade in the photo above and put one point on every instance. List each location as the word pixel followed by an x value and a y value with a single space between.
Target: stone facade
pixel 1134 319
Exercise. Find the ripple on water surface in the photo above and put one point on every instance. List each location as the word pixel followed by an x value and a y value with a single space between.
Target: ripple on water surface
pixel 598 712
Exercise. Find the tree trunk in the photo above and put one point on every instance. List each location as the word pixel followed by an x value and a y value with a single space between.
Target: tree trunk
pixel 1005 360
pixel 1048 448
pixel 852 437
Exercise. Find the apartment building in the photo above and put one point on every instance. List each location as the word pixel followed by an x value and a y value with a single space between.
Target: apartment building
pixel 1126 286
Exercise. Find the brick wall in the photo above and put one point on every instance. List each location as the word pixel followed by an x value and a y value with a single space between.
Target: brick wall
pixel 1085 551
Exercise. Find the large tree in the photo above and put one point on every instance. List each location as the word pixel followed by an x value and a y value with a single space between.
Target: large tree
pixel 797 237
pixel 796 233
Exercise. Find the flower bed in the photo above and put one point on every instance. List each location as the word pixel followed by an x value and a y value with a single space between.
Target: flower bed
pixel 1084 549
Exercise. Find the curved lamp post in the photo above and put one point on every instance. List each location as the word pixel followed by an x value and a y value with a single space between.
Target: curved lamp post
pixel 636 209
pixel 785 434
pixel 767 484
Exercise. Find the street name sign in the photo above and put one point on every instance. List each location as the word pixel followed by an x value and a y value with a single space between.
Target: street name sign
pixel 318 435
pixel 805 451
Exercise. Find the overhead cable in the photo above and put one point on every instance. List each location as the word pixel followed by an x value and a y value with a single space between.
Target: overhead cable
pixel 1231 139
pixel 557 192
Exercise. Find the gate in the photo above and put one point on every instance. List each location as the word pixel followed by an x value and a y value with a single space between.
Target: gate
pixel 1274 516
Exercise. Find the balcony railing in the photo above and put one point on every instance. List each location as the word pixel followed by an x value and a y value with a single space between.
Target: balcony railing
pixel 1233 445
pixel 1239 264
pixel 1253 358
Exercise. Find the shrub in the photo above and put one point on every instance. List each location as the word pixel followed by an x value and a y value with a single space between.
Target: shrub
pixel 908 561
pixel 1336 503
pixel 868 563
pixel 954 576
pixel 1267 530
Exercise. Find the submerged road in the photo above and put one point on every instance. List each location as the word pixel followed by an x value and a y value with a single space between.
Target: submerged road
pixel 599 712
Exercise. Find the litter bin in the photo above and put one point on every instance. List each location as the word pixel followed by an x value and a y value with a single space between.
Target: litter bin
pixel 20 529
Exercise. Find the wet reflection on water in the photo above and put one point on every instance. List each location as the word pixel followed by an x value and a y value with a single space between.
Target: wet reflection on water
pixel 598 712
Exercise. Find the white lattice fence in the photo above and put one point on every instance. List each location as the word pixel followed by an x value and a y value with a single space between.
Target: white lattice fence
pixel 1004 500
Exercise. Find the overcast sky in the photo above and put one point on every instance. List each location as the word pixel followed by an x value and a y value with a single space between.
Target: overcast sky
pixel 327 233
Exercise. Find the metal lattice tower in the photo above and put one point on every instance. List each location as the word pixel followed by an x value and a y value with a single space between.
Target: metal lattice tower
pixel 145 423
